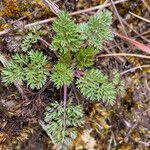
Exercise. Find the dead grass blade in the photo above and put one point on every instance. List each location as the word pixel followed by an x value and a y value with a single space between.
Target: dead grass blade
pixel 135 43
pixel 73 13
pixel 139 17
pixel 53 7
pixel 124 54
pixel 135 68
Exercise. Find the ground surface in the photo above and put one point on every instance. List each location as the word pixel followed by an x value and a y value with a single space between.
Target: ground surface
pixel 126 125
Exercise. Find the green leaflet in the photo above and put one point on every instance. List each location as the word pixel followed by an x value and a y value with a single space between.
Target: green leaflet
pixel 28 41
pixel 70 36
pixel 65 58
pixel 66 38
pixel 97 29
pixel 32 38
pixel 62 74
pixel 54 117
pixel 27 68
pixel 85 57
pixel 95 86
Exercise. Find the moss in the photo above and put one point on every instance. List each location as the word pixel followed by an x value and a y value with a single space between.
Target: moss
pixel 11 9
pixel 89 3
pixel 3 24
pixel 14 9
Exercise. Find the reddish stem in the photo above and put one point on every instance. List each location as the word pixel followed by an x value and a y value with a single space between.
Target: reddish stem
pixel 65 102
pixel 48 45
pixel 65 94
pixel 79 73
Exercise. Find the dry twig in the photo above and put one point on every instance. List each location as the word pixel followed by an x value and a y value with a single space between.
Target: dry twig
pixel 73 13
pixel 139 45
pixel 135 68
pixel 139 17
pixel 145 3
pixel 139 35
pixel 32 13
pixel 119 18
pixel 110 142
pixel 124 54
pixel 106 1
pixel 53 7
pixel 42 124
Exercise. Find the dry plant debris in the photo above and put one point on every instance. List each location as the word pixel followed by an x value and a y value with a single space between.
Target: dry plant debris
pixel 124 126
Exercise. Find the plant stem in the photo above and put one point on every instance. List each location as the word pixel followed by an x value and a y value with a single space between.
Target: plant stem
pixel 65 102
pixel 42 124
pixel 79 73
pixel 48 45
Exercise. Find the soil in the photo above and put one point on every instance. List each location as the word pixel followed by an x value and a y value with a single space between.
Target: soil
pixel 122 127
